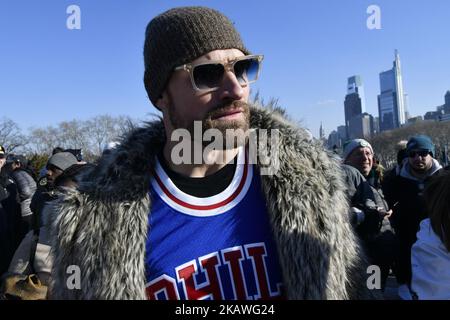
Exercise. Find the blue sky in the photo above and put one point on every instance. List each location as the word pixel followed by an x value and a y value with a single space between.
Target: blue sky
pixel 50 74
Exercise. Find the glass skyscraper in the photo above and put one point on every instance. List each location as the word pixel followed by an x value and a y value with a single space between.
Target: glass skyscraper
pixel 354 85
pixel 391 100
pixel 354 105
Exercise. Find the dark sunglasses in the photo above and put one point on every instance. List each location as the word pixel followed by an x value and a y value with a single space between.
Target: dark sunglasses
pixel 2 156
pixel 422 153
pixel 207 76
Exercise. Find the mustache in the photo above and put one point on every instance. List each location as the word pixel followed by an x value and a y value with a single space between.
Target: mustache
pixel 227 106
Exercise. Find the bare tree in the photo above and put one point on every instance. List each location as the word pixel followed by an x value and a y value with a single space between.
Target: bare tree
pixel 90 135
pixel 44 140
pixel 102 129
pixel 74 134
pixel 125 124
pixel 11 136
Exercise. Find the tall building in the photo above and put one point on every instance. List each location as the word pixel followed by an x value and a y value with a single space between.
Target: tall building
pixel 342 131
pixel 354 103
pixel 321 132
pixel 447 102
pixel 406 102
pixel 334 140
pixel 376 126
pixel 442 110
pixel 391 103
pixel 354 85
pixel 337 137
pixel 361 126
pixel 433 115
pixel 352 106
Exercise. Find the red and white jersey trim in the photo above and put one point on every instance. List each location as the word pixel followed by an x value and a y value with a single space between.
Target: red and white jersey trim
pixel 209 206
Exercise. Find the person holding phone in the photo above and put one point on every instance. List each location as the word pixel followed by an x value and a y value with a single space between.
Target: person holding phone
pixel 372 219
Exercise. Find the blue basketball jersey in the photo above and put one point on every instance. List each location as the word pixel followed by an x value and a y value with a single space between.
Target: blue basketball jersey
pixel 219 247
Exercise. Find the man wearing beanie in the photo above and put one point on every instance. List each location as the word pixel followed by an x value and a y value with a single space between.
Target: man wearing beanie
pixel 62 172
pixel 146 226
pixel 359 154
pixel 371 220
pixel 404 193
pixel 57 164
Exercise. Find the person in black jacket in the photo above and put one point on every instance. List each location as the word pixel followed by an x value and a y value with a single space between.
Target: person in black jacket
pixel 405 193
pixel 24 262
pixel 10 218
pixel 56 165
pixel 372 220
pixel 26 186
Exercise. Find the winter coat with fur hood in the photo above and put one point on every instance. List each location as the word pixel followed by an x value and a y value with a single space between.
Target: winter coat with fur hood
pixel 102 226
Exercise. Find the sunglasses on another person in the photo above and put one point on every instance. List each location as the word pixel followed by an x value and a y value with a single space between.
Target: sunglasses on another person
pixel 207 76
pixel 422 153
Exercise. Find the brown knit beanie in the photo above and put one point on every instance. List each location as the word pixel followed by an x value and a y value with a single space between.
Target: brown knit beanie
pixel 179 36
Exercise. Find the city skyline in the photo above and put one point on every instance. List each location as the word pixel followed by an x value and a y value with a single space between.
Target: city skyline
pixel 51 74
pixel 393 102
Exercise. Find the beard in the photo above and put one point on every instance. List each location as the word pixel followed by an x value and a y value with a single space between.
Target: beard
pixel 234 132
pixel 419 168
pixel 210 120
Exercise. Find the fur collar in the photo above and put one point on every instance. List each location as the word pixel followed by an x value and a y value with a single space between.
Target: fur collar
pixel 102 227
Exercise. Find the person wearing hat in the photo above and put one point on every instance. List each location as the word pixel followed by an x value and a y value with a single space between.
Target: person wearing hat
pixel 2 156
pixel 146 224
pixel 10 215
pixel 359 154
pixel 62 168
pixel 421 158
pixel 63 171
pixel 405 194
pixel 57 164
pixel 373 224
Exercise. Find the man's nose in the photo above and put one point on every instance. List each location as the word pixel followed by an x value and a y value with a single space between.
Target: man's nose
pixel 231 88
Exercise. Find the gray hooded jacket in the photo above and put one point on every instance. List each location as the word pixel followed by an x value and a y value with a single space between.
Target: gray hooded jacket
pixel 102 226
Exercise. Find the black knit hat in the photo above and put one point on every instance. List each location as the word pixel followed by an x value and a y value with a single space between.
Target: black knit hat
pixel 179 36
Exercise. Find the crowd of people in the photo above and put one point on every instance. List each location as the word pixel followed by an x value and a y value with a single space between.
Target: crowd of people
pixel 401 215
pixel 392 210
pixel 140 225
pixel 26 203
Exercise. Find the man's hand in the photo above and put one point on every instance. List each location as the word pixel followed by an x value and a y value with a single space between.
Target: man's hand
pixel 384 213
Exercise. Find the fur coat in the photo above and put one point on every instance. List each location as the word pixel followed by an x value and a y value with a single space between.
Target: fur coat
pixel 102 226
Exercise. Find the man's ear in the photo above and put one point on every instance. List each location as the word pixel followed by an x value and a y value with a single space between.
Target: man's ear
pixel 163 101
